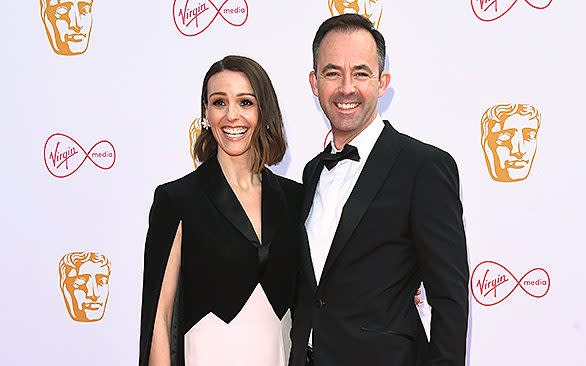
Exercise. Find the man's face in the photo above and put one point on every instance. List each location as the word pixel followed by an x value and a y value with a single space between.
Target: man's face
pixel 372 9
pixel 88 288
pixel 513 144
pixel 70 24
pixel 347 82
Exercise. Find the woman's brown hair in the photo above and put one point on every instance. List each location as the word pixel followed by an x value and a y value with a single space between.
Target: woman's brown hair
pixel 268 138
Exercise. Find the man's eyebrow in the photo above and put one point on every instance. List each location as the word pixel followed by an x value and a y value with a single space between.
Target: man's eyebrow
pixel 364 67
pixel 329 67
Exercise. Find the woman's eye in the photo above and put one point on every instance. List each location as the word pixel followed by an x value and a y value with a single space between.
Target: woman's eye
pixel 218 103
pixel 246 102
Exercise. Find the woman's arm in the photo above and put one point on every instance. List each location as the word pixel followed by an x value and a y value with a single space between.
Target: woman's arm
pixel 160 346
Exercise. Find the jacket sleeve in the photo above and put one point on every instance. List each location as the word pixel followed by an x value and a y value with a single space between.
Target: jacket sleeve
pixel 438 230
pixel 163 222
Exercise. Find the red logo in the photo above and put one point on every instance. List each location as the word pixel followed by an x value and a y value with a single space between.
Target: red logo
pixel 491 283
pixel 489 10
pixel 194 17
pixel 64 156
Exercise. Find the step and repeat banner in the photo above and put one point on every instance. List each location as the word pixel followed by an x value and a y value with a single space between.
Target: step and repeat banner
pixel 98 99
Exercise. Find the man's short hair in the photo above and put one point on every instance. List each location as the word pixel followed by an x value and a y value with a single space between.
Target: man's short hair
pixel 348 23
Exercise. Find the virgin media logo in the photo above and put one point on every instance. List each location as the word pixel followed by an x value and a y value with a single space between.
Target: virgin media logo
pixel 192 17
pixel 64 156
pixel 489 10
pixel 491 283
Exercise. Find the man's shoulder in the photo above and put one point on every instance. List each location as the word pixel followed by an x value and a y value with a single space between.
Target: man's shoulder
pixel 422 151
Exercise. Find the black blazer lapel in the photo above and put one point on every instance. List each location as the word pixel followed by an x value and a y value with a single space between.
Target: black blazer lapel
pixel 273 206
pixel 310 185
pixel 373 175
pixel 221 195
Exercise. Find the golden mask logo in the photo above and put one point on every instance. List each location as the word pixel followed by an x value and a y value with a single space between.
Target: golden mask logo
pixel 68 24
pixel 489 10
pixel 194 132
pixel 372 9
pixel 509 140
pixel 84 278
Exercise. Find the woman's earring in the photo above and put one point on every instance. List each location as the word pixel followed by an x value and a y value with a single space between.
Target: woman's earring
pixel 267 127
pixel 202 123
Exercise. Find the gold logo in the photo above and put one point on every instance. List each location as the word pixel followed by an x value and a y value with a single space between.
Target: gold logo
pixel 194 132
pixel 509 140
pixel 372 9
pixel 84 278
pixel 68 24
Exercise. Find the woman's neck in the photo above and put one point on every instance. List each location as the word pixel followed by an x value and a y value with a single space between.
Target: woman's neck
pixel 238 170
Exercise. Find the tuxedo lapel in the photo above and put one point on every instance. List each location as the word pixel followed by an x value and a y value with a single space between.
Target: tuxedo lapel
pixel 273 206
pixel 221 195
pixel 374 174
pixel 310 187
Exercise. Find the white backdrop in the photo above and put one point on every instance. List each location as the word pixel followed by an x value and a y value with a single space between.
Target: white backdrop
pixel 137 87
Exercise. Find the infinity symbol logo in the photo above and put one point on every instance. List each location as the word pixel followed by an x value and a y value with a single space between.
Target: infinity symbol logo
pixel 194 17
pixel 64 156
pixel 489 10
pixel 491 283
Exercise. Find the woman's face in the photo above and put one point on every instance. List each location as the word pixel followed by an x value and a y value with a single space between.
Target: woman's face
pixel 232 112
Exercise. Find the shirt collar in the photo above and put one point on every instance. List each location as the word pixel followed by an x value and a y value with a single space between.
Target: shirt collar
pixel 366 139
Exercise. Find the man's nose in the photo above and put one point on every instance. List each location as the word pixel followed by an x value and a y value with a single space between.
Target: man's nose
pixel 74 19
pixel 518 146
pixel 347 85
pixel 92 293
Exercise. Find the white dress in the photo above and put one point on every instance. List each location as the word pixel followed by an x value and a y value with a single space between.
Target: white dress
pixel 253 338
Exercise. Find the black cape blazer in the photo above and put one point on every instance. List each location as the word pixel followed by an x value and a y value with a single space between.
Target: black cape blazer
pixel 222 259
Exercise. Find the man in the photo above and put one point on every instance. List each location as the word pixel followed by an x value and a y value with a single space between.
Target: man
pixel 509 140
pixel 378 223
pixel 84 278
pixel 68 24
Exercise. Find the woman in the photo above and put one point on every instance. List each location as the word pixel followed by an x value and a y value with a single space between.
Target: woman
pixel 221 249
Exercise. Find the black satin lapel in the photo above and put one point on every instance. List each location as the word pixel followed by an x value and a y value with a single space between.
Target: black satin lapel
pixel 310 187
pixel 222 196
pixel 374 173
pixel 274 206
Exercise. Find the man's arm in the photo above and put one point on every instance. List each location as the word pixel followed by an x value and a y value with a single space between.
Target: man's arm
pixel 438 232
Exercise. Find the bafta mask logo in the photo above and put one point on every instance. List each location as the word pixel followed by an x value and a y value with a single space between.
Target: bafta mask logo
pixel 194 132
pixel 372 9
pixel 489 10
pixel 68 24
pixel 509 140
pixel 84 278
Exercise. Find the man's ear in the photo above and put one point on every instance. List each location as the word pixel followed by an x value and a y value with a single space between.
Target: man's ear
pixel 313 82
pixel 383 83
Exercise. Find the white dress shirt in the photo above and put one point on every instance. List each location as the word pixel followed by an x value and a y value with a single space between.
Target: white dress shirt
pixel 332 192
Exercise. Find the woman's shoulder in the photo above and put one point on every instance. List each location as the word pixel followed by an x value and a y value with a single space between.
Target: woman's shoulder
pixel 179 187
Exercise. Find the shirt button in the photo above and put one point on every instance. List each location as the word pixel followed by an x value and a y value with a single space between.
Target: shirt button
pixel 319 303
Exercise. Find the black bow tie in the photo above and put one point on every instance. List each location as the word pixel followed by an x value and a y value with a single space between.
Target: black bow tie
pixel 348 152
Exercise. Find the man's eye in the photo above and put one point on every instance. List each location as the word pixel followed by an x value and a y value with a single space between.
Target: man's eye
pixel 331 74
pixel 362 75
pixel 61 10
pixel 102 280
pixel 79 281
pixel 503 137
pixel 530 135
pixel 85 8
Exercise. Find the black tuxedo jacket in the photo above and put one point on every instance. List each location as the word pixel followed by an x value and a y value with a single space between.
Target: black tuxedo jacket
pixel 401 225
pixel 222 259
